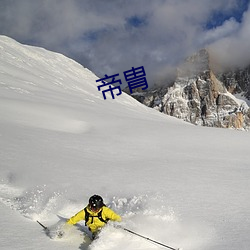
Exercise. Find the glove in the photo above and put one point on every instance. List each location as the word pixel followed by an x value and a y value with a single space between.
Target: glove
pixel 60 234
pixel 62 229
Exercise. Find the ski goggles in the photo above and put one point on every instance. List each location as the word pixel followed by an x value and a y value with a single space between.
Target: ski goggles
pixel 94 208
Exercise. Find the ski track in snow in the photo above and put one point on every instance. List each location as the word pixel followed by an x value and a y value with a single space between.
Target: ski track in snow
pixel 43 117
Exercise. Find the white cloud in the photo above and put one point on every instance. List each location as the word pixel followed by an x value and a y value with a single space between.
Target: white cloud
pixel 228 28
pixel 97 33
pixel 233 50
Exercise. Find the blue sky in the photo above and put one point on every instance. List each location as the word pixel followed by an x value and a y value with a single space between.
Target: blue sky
pixel 111 36
pixel 218 17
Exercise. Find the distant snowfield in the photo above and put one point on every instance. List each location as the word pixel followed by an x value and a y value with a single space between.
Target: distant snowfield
pixel 61 142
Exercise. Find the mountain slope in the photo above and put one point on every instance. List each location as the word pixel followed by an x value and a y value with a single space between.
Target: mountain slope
pixel 61 142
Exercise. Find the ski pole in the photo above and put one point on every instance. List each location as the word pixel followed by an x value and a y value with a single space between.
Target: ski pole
pixel 45 228
pixel 146 238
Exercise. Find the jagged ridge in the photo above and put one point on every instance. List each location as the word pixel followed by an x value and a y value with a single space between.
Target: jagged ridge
pixel 202 97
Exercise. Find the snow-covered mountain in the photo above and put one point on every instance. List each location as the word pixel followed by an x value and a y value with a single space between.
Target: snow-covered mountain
pixel 60 142
pixel 202 96
pixel 237 81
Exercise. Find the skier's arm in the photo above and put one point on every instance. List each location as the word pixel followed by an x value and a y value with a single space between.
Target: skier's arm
pixel 77 217
pixel 110 214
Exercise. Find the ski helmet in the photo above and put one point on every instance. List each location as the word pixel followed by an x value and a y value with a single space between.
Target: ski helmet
pixel 95 202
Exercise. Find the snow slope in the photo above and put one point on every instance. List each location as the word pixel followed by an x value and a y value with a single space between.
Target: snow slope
pixel 61 142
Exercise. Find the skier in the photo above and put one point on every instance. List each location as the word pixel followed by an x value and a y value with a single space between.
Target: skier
pixel 95 214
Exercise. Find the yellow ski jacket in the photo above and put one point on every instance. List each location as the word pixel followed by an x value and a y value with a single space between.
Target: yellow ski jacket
pixel 94 223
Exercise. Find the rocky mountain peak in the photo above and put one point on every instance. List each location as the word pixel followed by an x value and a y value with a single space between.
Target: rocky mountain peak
pixel 200 96
pixel 196 64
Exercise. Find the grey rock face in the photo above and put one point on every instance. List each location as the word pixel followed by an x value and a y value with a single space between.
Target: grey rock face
pixel 201 97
